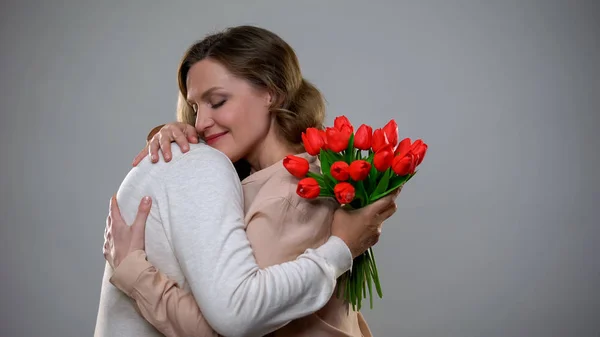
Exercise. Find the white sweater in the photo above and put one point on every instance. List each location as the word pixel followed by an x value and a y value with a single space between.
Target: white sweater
pixel 195 233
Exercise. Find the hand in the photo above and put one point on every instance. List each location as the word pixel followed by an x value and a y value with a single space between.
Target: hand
pixel 121 239
pixel 360 229
pixel 181 133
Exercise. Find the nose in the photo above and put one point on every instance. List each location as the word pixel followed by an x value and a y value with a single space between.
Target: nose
pixel 203 121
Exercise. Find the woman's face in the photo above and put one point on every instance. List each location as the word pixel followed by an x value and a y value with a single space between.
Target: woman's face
pixel 231 115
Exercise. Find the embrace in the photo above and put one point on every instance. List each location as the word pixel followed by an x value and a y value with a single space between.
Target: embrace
pixel 209 237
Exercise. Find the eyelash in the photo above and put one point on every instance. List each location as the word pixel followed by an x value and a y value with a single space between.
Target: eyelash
pixel 213 106
pixel 218 105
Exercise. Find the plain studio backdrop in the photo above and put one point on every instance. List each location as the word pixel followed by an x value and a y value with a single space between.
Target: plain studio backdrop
pixel 496 236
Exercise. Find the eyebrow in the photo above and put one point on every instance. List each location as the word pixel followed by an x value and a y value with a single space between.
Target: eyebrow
pixel 205 94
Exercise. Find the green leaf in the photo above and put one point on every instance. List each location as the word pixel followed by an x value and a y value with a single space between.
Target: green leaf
pixel 350 149
pixel 326 194
pixel 360 190
pixel 359 279
pixel 373 174
pixel 319 178
pixel 369 279
pixel 375 273
pixel 326 162
pixel 350 288
pixel 330 182
pixel 382 186
pixel 395 183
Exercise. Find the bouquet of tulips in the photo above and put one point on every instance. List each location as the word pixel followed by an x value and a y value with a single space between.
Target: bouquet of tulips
pixel 356 169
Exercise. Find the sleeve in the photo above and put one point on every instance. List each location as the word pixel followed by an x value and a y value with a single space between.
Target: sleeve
pixel 237 298
pixel 171 310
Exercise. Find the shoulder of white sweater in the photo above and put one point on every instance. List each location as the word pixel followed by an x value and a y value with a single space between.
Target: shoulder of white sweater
pixel 200 160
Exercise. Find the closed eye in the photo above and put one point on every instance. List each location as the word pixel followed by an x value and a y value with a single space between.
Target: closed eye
pixel 218 105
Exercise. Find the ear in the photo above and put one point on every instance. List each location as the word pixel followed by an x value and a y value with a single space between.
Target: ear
pixel 270 98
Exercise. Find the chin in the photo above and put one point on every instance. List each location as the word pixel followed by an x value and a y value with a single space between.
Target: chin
pixel 226 152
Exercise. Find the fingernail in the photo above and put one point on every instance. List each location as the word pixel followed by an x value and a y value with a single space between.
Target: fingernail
pixel 167 156
pixel 146 200
pixel 153 157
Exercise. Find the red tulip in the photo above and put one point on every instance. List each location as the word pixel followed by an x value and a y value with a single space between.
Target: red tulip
pixel 339 171
pixel 383 158
pixel 363 137
pixel 297 166
pixel 308 188
pixel 337 141
pixel 420 153
pixel 404 165
pixel 343 124
pixel 359 170
pixel 344 192
pixel 379 140
pixel 324 137
pixel 313 142
pixel 391 132
pixel 418 149
pixel 403 147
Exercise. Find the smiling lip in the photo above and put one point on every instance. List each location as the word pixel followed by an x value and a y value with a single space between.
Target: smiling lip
pixel 213 138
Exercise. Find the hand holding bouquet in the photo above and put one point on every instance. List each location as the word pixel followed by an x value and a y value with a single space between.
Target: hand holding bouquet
pixel 356 169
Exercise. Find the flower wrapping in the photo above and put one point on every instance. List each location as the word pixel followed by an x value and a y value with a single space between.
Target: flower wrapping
pixel 357 168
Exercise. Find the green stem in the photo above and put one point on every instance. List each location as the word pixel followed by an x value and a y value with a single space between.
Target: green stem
pixel 369 280
pixel 376 274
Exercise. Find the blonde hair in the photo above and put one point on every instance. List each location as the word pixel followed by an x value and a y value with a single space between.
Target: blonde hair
pixel 266 61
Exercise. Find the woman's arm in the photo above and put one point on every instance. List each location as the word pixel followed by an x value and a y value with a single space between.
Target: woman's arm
pixel 204 217
pixel 171 310
pixel 236 296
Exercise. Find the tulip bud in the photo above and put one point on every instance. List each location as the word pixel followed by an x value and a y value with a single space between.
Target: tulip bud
pixel 344 192
pixel 403 165
pixel 383 158
pixel 391 132
pixel 297 166
pixel 339 171
pixel 312 140
pixel 363 137
pixel 343 124
pixel 337 141
pixel 308 188
pixel 403 147
pixel 359 170
pixel 379 140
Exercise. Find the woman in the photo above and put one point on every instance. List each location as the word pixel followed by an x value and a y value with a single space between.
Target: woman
pixel 244 92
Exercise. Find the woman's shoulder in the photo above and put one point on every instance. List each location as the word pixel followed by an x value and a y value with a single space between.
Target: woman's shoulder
pixel 282 187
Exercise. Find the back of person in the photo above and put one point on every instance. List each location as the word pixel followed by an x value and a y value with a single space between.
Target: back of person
pixel 117 315
pixel 294 225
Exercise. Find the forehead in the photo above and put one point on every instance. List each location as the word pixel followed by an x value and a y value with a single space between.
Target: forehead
pixel 206 74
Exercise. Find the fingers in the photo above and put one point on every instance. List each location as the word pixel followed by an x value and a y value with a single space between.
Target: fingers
pixel 105 250
pixel 107 227
pixel 181 139
pixel 396 192
pixel 139 224
pixel 165 137
pixel 388 212
pixel 181 133
pixel 114 212
pixel 191 134
pixel 380 205
pixel 153 147
pixel 140 156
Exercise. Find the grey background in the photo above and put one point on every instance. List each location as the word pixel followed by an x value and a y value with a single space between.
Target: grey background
pixel 496 236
